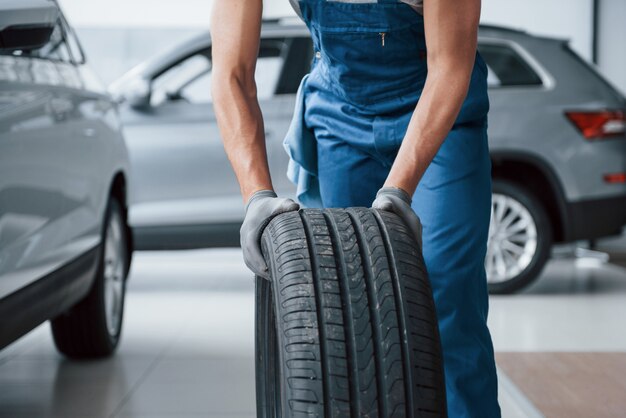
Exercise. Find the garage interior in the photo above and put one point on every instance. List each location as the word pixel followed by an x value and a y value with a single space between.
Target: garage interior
pixel 187 346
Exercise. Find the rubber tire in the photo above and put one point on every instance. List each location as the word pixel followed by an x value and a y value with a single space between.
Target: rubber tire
pixel 544 237
pixel 357 332
pixel 81 332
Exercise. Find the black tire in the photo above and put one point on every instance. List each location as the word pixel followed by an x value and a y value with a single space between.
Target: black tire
pixel 346 327
pixel 544 238
pixel 83 331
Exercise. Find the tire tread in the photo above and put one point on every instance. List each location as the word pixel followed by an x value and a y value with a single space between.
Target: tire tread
pixel 347 282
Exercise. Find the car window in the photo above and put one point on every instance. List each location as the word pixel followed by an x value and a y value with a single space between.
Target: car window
pixel 297 64
pixel 191 79
pixel 198 90
pixel 268 68
pixel 176 77
pixel 507 67
pixel 56 49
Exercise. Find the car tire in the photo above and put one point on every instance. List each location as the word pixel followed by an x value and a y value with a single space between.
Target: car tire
pixel 346 325
pixel 527 249
pixel 92 327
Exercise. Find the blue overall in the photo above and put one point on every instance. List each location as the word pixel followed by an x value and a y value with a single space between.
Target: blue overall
pixel 351 115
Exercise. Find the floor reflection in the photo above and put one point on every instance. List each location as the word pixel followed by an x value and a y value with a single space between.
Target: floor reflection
pixel 187 347
pixel 581 276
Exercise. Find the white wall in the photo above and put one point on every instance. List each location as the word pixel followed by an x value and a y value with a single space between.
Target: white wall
pixel 563 18
pixel 569 19
pixel 154 13
pixel 150 13
pixel 612 41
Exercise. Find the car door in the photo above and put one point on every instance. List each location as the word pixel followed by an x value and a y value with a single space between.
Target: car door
pixel 39 152
pixel 179 167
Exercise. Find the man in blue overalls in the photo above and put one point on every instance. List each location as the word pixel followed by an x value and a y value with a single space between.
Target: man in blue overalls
pixel 393 114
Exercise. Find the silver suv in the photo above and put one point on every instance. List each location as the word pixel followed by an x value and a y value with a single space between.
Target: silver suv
pixel 556 133
pixel 65 247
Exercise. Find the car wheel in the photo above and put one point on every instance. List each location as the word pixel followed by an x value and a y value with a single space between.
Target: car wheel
pixel 92 327
pixel 520 238
pixel 346 326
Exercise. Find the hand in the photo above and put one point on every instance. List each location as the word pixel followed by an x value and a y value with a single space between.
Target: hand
pixel 260 209
pixel 396 200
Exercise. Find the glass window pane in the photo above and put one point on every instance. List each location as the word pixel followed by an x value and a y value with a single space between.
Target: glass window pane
pixel 199 90
pixel 266 76
pixel 196 85
pixel 178 76
pixel 507 67
pixel 56 49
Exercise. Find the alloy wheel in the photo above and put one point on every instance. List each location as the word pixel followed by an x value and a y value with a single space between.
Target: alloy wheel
pixel 512 239
pixel 114 266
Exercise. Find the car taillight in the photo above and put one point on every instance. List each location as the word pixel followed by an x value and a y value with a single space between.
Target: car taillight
pixel 600 124
pixel 615 178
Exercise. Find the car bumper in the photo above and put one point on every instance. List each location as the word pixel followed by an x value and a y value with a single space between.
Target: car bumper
pixel 597 218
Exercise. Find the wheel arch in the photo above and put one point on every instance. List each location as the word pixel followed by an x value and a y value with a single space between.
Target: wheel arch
pixel 536 176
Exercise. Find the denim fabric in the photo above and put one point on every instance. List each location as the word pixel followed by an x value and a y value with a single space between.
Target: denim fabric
pixel 352 114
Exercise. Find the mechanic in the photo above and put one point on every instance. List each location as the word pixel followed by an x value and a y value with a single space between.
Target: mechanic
pixel 393 114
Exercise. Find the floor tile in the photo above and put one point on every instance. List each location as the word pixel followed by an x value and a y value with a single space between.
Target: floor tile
pixel 187 348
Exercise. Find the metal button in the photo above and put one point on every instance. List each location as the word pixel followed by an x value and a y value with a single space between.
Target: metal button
pixel 318 54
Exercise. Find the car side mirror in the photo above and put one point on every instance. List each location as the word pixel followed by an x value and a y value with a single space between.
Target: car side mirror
pixel 138 93
pixel 26 27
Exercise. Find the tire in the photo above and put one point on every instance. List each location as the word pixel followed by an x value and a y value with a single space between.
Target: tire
pixel 529 251
pixel 92 327
pixel 346 327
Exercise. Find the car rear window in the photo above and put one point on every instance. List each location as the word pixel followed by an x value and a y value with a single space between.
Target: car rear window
pixel 297 64
pixel 507 67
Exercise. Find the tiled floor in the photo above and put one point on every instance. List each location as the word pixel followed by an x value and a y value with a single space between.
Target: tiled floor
pixel 187 348
pixel 577 305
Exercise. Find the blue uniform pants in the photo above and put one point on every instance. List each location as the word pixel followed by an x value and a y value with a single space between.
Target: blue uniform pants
pixel 453 202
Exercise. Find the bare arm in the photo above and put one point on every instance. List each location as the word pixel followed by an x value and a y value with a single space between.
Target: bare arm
pixel 451 28
pixel 235 32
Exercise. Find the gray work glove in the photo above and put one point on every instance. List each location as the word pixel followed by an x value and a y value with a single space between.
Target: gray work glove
pixel 393 199
pixel 260 209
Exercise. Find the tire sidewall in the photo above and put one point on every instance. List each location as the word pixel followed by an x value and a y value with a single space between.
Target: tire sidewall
pixel 268 345
pixel 544 237
pixel 276 333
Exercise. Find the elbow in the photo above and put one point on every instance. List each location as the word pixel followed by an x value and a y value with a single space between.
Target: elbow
pixel 228 83
pixel 455 67
pixel 456 74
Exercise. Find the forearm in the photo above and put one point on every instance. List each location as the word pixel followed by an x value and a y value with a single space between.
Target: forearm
pixel 235 31
pixel 451 30
pixel 241 127
pixel 431 122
